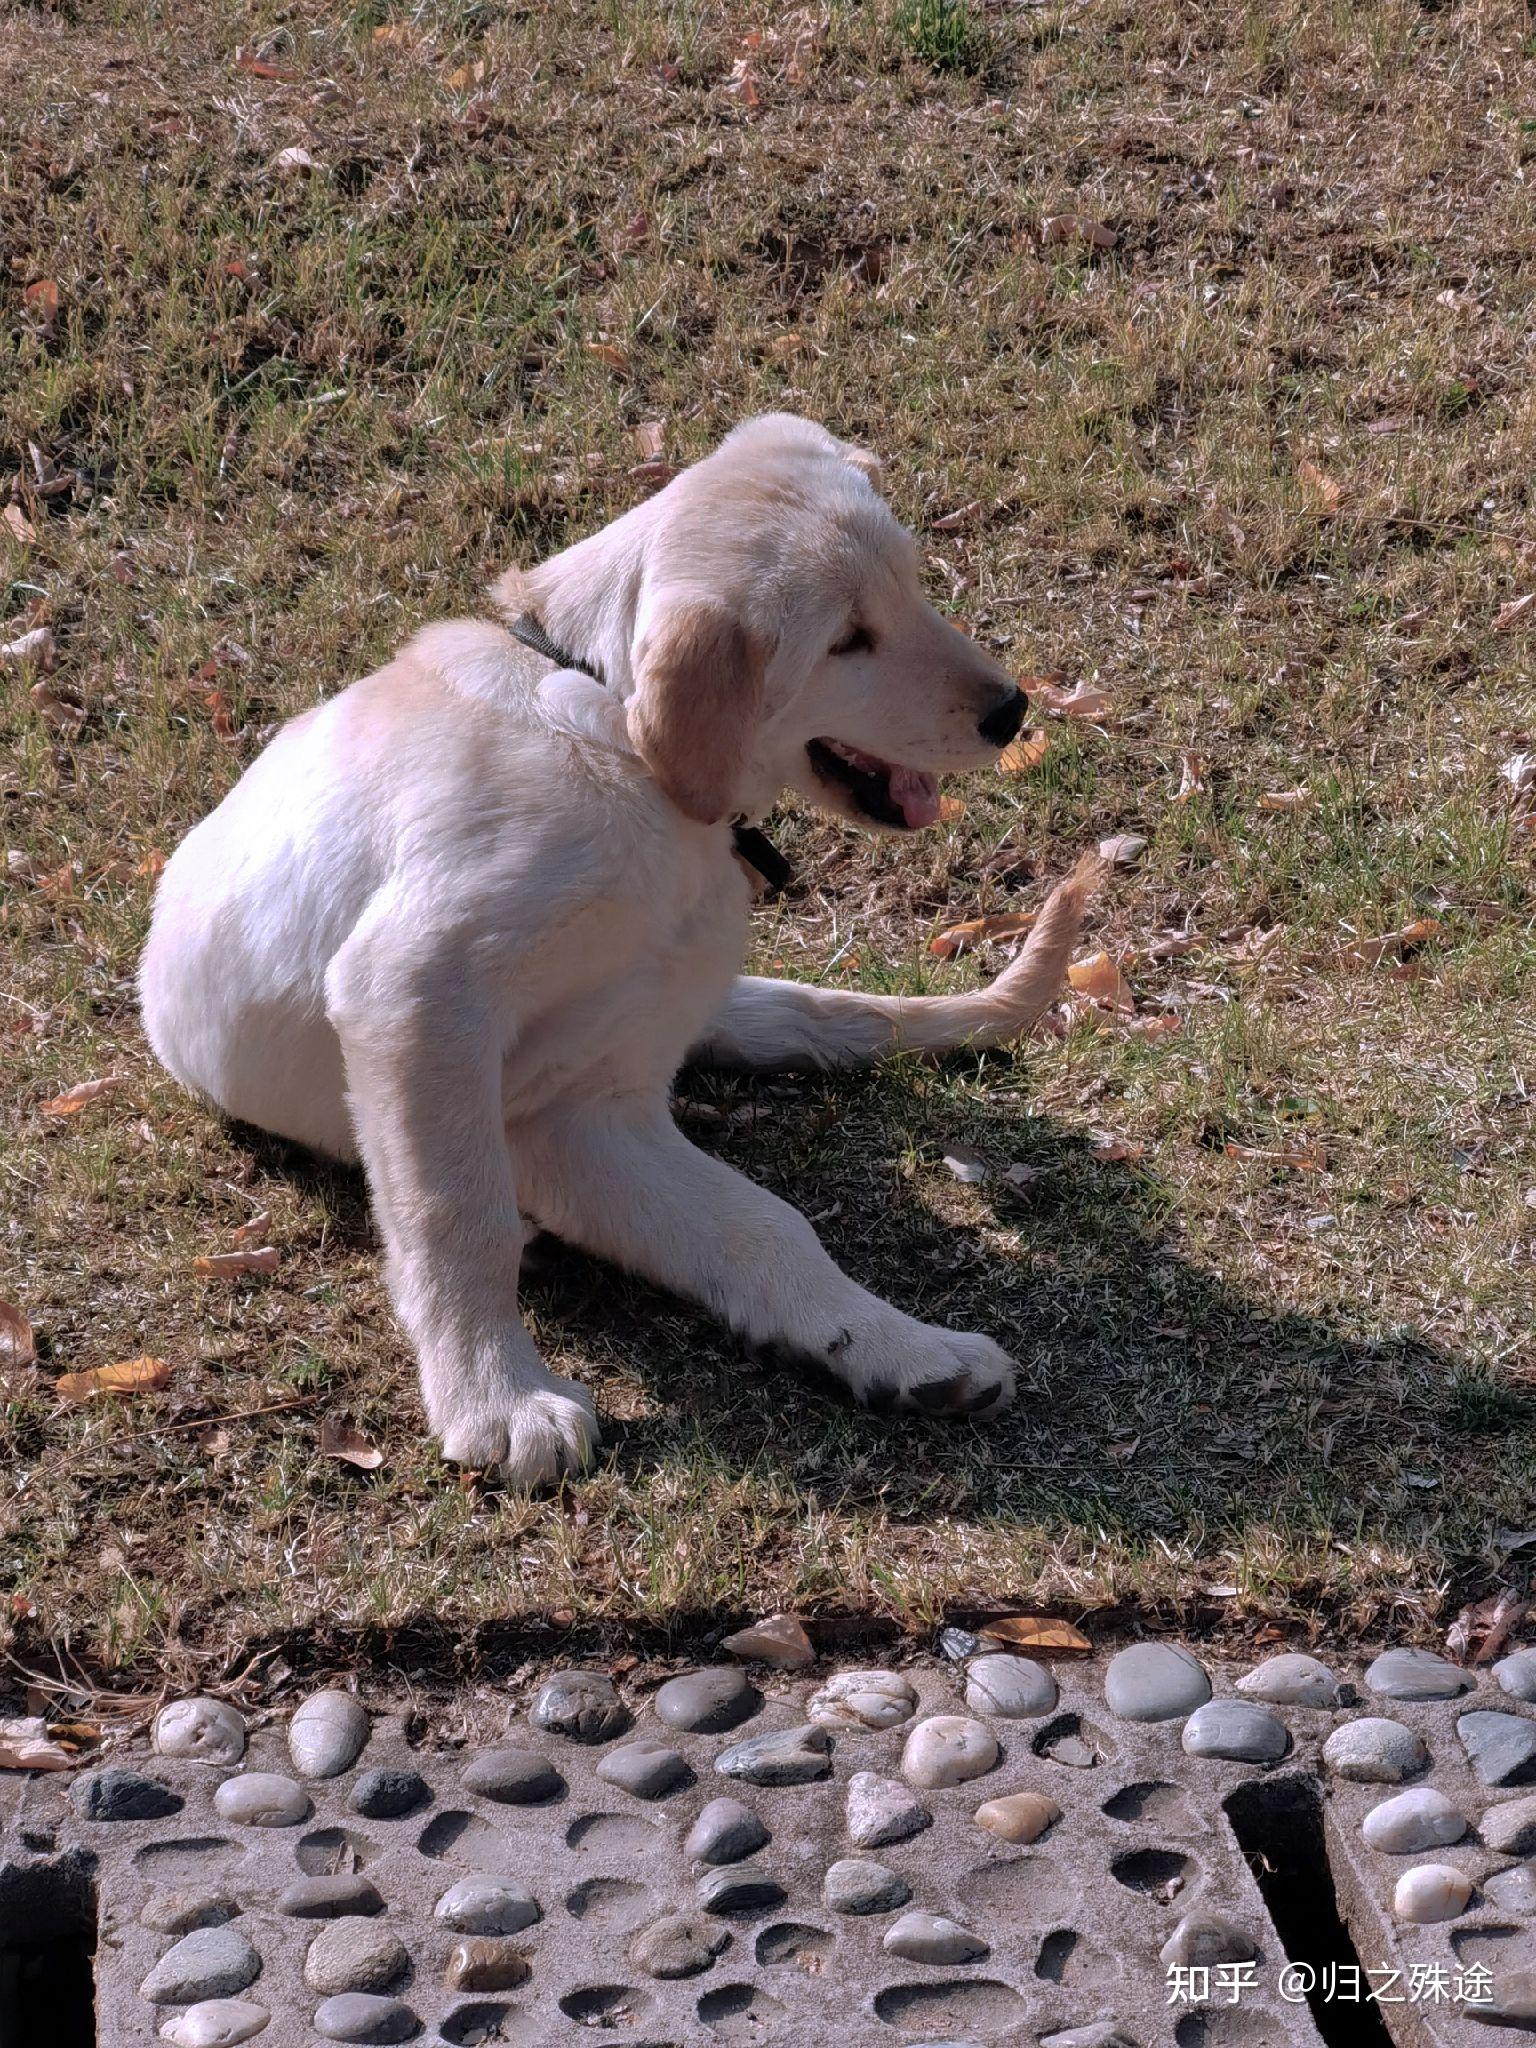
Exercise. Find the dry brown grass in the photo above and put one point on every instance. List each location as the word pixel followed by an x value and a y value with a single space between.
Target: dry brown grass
pixel 1262 470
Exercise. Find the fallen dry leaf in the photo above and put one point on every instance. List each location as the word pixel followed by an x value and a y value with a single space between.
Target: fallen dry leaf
pixel 1191 778
pixel 230 1265
pixel 73 1100
pixel 1164 1026
pixel 1326 493
pixel 1480 1631
pixel 19 523
pixel 1039 1632
pixel 1083 702
pixel 466 76
pixel 1098 977
pixel 256 1226
pixel 742 83
pixel 650 438
pixel 951 808
pixel 1309 1158
pixel 1077 227
pixel 610 355
pixel 1367 952
pixel 1024 753
pixel 1007 924
pixel 1285 799
pixel 1512 613
pixel 58 711
pixel 17 1343
pixel 25 1746
pixel 36 647
pixel 962 517
pixel 1519 771
pixel 966 1166
pixel 144 1375
pixel 1174 945
pixel 338 1440
pixel 1106 1146
pixel 42 302
pixel 294 159
pixel 261 67
pixel 1122 849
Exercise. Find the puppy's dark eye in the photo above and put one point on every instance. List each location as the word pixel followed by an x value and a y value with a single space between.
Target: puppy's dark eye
pixel 857 640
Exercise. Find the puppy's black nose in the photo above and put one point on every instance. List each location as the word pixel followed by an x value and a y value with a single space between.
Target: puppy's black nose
pixel 1004 720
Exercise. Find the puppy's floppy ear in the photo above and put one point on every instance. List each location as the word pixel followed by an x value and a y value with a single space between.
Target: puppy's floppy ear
pixel 698 697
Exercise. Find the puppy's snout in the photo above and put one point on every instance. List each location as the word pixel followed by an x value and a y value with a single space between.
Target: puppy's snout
pixel 1004 719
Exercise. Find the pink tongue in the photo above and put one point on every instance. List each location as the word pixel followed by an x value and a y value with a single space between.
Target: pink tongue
pixel 917 794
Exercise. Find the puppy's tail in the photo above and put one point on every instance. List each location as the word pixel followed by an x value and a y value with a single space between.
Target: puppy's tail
pixel 1014 1003
pixel 786 1024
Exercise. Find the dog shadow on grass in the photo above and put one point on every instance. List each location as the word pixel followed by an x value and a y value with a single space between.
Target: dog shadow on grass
pixel 1156 1400
pixel 1156 1403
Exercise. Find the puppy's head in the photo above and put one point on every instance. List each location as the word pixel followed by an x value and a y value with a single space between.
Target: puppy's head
pixel 782 639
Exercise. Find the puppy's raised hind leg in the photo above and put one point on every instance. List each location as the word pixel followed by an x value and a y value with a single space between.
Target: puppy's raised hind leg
pixel 781 1024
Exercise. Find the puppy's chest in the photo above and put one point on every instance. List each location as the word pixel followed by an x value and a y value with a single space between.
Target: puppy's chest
pixel 651 997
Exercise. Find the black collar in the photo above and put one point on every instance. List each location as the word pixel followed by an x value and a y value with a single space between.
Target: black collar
pixel 748 842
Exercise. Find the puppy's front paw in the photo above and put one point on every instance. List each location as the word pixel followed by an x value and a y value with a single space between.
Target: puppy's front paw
pixel 915 1368
pixel 528 1437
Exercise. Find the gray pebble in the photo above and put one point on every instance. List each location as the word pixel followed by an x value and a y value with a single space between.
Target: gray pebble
pixel 1154 1682
pixel 215 2023
pixel 360 2016
pixel 1516 1673
pixel 1292 1680
pixel 1205 1938
pixel 863 1699
pixel 725 1832
pixel 648 1770
pixel 180 1912
pixel 261 1799
pixel 678 1945
pixel 931 1938
pixel 707 1702
pixel 1015 1687
pixel 486 1905
pixel 1513 1890
pixel 208 1731
pixel 1513 2003
pixel 353 1954
pixel 1237 1731
pixel 1510 1827
pixel 1413 1821
pixel 119 1794
pixel 1501 1747
pixel 581 1705
pixel 514 1777
pixel 794 1756
pixel 326 1734
pixel 957 1644
pixel 389 1794
pixel 1416 1675
pixel 858 1884
pixel 739 1888
pixel 881 1811
pixel 211 1962
pixel 329 1898
pixel 1375 1752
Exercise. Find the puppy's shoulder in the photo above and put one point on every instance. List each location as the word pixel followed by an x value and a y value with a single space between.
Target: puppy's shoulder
pixel 476 658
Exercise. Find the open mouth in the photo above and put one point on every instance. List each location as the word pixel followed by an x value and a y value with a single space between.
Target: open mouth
pixel 883 791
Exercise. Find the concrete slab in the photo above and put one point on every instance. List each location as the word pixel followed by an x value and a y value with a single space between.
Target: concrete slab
pixel 574 1874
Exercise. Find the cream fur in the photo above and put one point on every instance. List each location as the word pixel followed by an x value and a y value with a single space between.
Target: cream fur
pixel 451 924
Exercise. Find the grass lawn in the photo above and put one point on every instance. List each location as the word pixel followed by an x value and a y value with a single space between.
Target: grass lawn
pixel 1260 471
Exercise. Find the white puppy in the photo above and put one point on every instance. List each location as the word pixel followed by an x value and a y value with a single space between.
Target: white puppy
pixel 466 919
